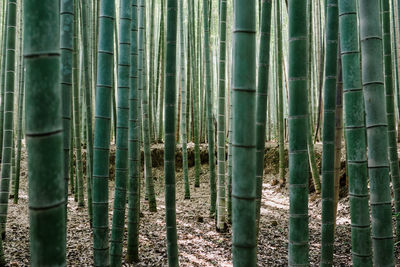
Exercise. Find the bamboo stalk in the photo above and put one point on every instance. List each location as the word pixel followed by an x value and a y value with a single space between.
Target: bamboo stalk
pixel 377 134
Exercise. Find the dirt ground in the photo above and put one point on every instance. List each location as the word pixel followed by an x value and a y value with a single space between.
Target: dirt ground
pixel 199 243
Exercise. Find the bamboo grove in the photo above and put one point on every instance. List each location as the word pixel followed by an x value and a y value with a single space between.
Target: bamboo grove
pixel 89 88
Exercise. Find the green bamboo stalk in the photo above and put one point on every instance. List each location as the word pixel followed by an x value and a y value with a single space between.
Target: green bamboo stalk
pixel 67 30
pixel 311 155
pixel 156 81
pixel 88 104
pixel 13 166
pixel 244 241
pixel 77 117
pixel 71 154
pixel 3 23
pixel 298 127
pixel 96 19
pixel 76 168
pixel 396 18
pixel 92 43
pixel 310 143
pixel 317 62
pixel 262 97
pixel 355 134
pixel 3 73
pixel 196 118
pixel 311 68
pixel 221 202
pixel 81 82
pixel 4 31
pixel 134 144
pixel 338 135
pixel 159 100
pixel 328 133
pixel 394 32
pixel 44 132
pixel 184 88
pixel 230 129
pixel 114 87
pixel 121 162
pixel 199 55
pixel 189 95
pixel 82 96
pixel 276 84
pixel 161 54
pixel 377 134
pixel 145 109
pixel 21 88
pixel 170 135
pixel 102 132
pixel 8 115
pixel 390 110
pixel 19 133
pixel 178 113
pixel 151 70
pixel 74 164
pixel 210 123
pixel 203 69
pixel 229 174
pixel 320 70
pixel 280 89
pixel 2 28
pixel 18 72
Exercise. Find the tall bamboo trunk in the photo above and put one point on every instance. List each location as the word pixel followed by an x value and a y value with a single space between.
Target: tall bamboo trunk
pixel 188 85
pixel 338 135
pixel 244 238
pixel 261 98
pixel 88 110
pixel 328 133
pixel 210 124
pixel 44 133
pixel 102 130
pixel 77 116
pixel 145 109
pixel 184 89
pixel 355 134
pixel 298 127
pixel 134 144
pixel 71 152
pixel 221 225
pixel 280 89
pixel 390 110
pixel 178 114
pixel 396 19
pixel 169 129
pixel 162 67
pixel 12 168
pixel 19 134
pixel 310 143
pixel 151 71
pixel 196 108
pixel 377 134
pixel 159 87
pixel 3 73
pixel 121 161
pixel 8 115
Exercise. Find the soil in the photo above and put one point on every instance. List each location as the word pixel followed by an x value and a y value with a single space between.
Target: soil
pixel 199 242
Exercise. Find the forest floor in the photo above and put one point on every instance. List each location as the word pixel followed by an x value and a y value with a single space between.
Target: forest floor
pixel 199 242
